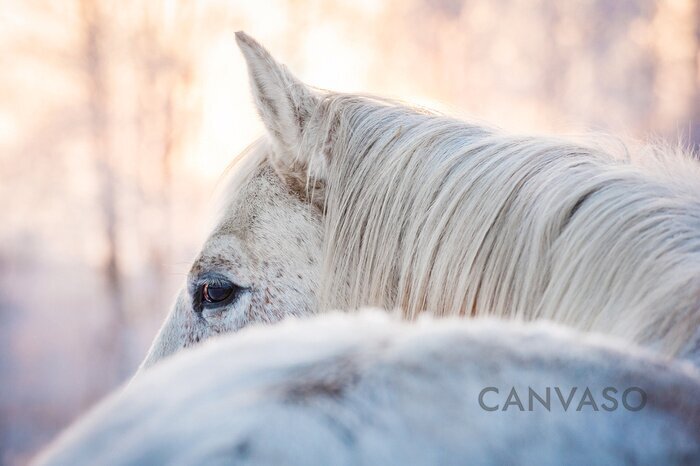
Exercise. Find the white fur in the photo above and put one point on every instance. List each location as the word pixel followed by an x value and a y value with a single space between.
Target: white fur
pixel 353 389
pixel 354 201
pixel 429 213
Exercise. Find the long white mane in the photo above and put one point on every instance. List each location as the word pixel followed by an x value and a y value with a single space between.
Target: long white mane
pixel 425 212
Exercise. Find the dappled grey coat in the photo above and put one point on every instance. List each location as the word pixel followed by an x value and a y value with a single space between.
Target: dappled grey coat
pixel 347 389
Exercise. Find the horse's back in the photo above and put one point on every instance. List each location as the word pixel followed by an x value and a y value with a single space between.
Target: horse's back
pixel 348 389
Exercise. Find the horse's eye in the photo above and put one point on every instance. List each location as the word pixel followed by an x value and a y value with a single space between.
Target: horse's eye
pixel 216 293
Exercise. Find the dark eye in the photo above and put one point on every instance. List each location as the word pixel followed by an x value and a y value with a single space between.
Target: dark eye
pixel 212 291
pixel 217 292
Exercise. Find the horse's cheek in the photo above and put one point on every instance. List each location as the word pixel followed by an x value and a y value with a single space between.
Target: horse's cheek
pixel 178 331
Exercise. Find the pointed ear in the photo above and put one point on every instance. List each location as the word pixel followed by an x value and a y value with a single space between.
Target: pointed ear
pixel 284 103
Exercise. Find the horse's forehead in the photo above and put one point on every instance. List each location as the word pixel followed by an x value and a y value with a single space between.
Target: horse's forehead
pixel 248 210
pixel 263 211
pixel 251 198
pixel 221 251
pixel 265 229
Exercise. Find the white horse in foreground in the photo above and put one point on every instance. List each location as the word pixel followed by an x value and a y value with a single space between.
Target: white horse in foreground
pixel 354 389
pixel 355 201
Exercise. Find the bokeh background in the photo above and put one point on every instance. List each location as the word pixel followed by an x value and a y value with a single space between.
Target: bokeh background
pixel 117 118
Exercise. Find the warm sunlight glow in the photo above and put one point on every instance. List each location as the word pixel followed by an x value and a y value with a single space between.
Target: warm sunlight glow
pixel 118 118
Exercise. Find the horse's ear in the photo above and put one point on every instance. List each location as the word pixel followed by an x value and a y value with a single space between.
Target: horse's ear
pixel 284 103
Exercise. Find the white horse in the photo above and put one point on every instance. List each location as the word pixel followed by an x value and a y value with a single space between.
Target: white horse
pixel 356 389
pixel 354 201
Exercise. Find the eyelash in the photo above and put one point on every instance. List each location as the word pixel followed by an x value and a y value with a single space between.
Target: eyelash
pixel 213 282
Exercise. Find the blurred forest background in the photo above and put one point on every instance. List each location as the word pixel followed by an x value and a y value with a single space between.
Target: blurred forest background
pixel 117 118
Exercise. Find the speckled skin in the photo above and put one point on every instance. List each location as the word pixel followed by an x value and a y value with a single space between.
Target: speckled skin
pixel 268 242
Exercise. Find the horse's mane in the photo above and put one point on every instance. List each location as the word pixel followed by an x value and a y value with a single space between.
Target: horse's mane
pixel 426 212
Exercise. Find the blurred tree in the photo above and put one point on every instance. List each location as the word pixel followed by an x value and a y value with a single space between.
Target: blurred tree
pixel 695 104
pixel 162 52
pixel 93 26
